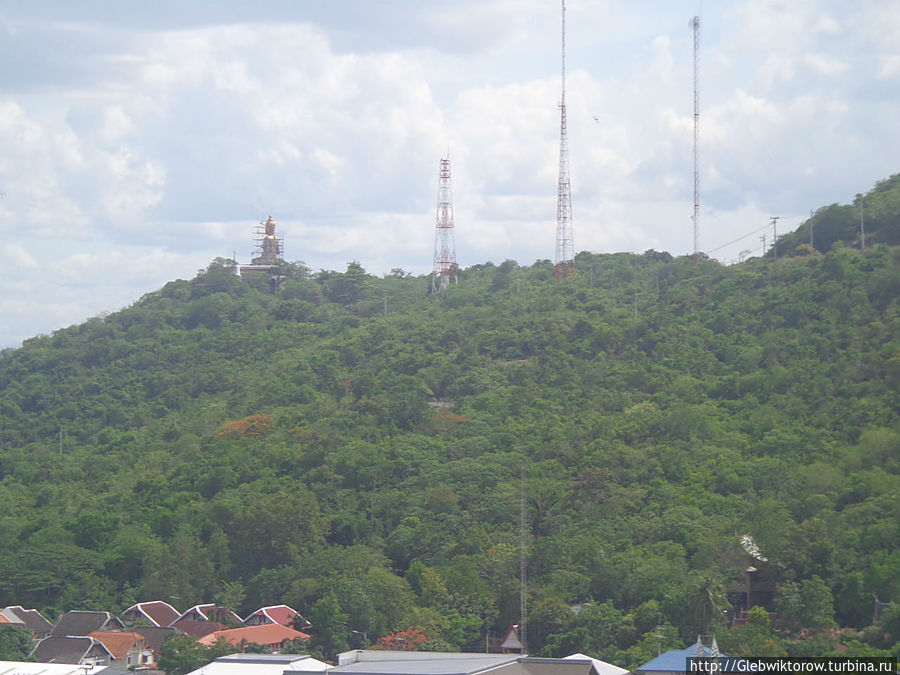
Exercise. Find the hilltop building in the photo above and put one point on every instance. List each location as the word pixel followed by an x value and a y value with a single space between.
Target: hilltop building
pixel 269 251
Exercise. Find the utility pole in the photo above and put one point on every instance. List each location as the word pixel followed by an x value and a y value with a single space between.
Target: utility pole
pixel 522 587
pixel 763 240
pixel 811 229
pixel 862 226
pixel 775 237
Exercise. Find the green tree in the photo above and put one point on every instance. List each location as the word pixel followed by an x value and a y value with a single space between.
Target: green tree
pixel 546 617
pixel 349 287
pixel 807 605
pixel 232 595
pixel 16 643
pixel 329 627
pixel 755 638
pixel 596 629
pixel 180 654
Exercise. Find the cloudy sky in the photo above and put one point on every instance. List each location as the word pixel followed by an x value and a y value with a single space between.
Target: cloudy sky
pixel 138 141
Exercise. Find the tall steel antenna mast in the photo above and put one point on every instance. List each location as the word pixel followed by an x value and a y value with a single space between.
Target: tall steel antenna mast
pixel 445 267
pixel 523 631
pixel 695 218
pixel 565 246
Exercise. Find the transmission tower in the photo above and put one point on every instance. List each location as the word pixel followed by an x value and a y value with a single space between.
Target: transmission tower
pixel 445 267
pixel 695 218
pixel 565 246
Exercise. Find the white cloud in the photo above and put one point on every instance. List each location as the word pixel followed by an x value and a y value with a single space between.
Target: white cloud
pixel 144 151
pixel 824 65
pixel 16 255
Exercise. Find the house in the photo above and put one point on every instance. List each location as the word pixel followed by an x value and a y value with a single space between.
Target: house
pixel 204 619
pixel 154 637
pixel 157 613
pixel 129 649
pixel 511 642
pixel 80 650
pixel 35 668
pixel 754 580
pixel 271 635
pixel 209 612
pixel 261 664
pixel 675 661
pixel 280 614
pixel 78 622
pixel 30 618
pixel 196 629
pixel 385 662
pixel 602 667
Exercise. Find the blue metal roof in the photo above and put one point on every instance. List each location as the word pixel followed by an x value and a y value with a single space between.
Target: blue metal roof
pixel 674 660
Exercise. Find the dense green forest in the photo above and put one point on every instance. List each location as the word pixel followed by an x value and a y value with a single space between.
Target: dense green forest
pixel 358 448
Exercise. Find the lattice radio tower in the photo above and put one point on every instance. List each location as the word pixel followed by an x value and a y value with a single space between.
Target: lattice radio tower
pixel 695 218
pixel 445 267
pixel 565 246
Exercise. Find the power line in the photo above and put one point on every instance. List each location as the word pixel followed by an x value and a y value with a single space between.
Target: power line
pixel 744 236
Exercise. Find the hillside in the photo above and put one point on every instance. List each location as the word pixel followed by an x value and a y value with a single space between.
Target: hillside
pixel 355 447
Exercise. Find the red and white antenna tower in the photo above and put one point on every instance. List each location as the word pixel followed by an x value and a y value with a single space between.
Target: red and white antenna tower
pixel 695 218
pixel 565 246
pixel 445 267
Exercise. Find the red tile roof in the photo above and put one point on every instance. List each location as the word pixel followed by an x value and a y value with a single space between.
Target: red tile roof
pixel 280 614
pixel 159 612
pixel 198 628
pixel 270 634
pixel 209 612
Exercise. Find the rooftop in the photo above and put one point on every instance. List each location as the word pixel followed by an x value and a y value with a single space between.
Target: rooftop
pixel 119 643
pixel 264 634
pixel 261 664
pixel 77 622
pixel 385 662
pixel 675 660
pixel 157 612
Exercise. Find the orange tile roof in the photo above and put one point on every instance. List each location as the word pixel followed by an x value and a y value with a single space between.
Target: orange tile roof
pixel 3 619
pixel 271 634
pixel 118 642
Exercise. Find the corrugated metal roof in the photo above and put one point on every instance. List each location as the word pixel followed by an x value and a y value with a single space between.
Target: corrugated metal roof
pixel 427 663
pixel 377 662
pixel 260 664
pixel 37 668
pixel 675 660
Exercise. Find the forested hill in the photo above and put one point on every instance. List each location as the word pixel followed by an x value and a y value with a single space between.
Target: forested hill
pixel 354 447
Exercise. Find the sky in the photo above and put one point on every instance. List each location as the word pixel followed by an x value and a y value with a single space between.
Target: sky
pixel 139 141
